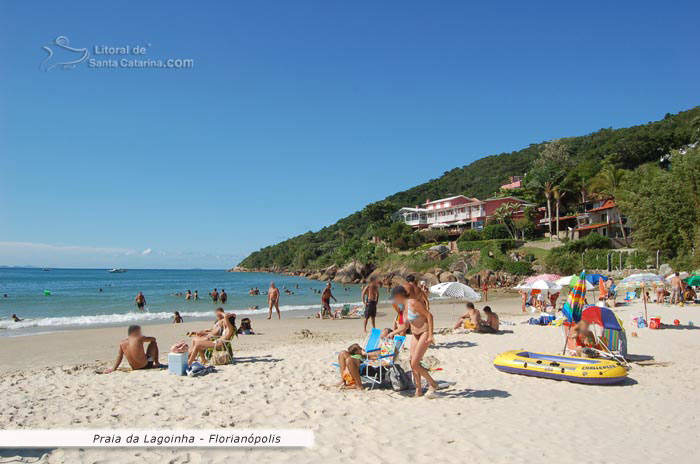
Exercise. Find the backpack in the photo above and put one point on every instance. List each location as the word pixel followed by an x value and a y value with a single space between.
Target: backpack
pixel 397 377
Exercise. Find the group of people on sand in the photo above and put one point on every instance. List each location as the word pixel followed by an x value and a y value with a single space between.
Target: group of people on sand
pixel 472 319
pixel 222 332
pixel 414 320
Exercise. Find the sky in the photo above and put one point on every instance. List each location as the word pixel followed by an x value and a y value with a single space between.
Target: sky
pixel 294 114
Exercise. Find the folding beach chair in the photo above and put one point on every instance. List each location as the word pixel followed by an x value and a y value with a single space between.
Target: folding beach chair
pixel 611 344
pixel 384 361
pixel 371 344
pixel 629 296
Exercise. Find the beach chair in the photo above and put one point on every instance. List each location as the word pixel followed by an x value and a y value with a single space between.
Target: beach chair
pixel 372 345
pixel 629 296
pixel 611 344
pixel 384 361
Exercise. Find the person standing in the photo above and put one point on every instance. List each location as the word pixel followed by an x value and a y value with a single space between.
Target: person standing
pixel 140 301
pixel 676 289
pixel 326 296
pixel 420 321
pixel 485 289
pixel 214 296
pixel 223 297
pixel 195 295
pixel 273 300
pixel 370 297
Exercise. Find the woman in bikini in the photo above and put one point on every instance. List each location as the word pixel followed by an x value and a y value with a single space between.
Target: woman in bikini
pixel 420 321
pixel 200 345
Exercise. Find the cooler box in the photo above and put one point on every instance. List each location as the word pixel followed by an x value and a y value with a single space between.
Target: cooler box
pixel 177 363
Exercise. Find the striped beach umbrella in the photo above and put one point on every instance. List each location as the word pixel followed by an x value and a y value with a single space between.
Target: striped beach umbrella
pixel 573 307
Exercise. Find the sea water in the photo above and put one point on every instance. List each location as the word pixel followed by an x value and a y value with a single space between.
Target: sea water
pixel 75 298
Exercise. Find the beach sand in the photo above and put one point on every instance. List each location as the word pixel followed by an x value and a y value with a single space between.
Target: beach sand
pixel 282 379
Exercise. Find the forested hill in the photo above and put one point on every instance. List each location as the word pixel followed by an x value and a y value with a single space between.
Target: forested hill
pixel 625 148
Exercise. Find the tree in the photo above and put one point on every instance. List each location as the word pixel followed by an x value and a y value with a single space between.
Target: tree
pixel 664 207
pixel 558 193
pixel 504 215
pixel 608 182
pixel 549 169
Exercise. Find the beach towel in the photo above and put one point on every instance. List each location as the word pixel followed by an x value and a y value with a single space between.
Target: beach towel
pixel 197 369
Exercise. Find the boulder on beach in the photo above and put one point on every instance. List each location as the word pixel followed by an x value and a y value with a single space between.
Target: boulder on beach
pixel 447 277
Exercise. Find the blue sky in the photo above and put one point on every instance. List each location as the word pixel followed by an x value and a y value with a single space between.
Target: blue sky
pixel 296 114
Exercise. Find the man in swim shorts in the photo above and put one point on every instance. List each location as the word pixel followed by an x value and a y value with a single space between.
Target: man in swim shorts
pixel 472 315
pixel 326 296
pixel 370 296
pixel 132 349
pixel 140 301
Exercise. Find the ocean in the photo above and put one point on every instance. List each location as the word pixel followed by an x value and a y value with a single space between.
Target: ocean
pixel 75 299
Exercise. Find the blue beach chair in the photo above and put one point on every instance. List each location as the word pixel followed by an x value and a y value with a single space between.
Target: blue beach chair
pixel 381 363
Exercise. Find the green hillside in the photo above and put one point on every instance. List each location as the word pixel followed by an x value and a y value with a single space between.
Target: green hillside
pixel 624 149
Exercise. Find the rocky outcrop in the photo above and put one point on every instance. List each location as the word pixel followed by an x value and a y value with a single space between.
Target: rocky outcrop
pixel 353 272
pixel 447 277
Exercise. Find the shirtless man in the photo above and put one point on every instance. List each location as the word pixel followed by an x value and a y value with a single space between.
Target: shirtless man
pixel 326 296
pixel 676 289
pixel 472 315
pixel 214 296
pixel 132 348
pixel 370 297
pixel 273 300
pixel 140 301
pixel 223 297
pixel 492 323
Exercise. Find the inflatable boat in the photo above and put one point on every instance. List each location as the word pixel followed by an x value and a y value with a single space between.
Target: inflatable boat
pixel 551 366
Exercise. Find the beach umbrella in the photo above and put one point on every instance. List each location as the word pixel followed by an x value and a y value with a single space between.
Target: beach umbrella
pixel 547 277
pixel 539 285
pixel 573 307
pixel 642 280
pixel 570 281
pixel 577 296
pixel 601 316
pixel 682 275
pixel 693 280
pixel 595 278
pixel 455 290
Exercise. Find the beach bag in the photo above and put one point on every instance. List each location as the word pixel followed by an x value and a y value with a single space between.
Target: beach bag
pixel 397 377
pixel 179 348
pixel 221 358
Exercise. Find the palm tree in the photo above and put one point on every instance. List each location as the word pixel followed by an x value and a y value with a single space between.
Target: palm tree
pixel 608 182
pixel 558 193
pixel 504 214
pixel 547 189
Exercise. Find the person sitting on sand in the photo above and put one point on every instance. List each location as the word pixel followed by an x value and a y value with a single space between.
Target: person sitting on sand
pixel 246 328
pixel 579 338
pixel 351 359
pixel 200 345
pixel 132 349
pixel 472 315
pixel 689 294
pixel 491 324
pixel 177 319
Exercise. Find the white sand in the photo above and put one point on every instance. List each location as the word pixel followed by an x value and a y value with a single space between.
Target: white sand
pixel 280 380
